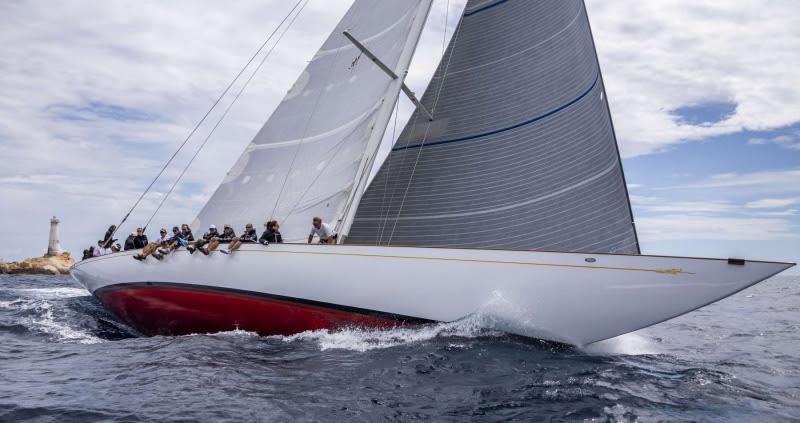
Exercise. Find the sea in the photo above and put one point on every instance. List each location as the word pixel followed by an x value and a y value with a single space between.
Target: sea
pixel 64 358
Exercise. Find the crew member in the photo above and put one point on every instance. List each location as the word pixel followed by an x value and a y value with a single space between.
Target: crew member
pixel 325 233
pixel 200 243
pixel 271 234
pixel 249 235
pixel 227 236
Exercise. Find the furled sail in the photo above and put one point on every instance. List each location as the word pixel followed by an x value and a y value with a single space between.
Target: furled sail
pixel 522 151
pixel 314 153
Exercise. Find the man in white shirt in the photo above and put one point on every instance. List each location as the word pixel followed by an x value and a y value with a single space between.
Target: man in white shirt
pixel 325 233
pixel 100 250
pixel 151 248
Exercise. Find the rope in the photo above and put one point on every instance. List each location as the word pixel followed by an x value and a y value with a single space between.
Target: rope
pixel 427 130
pixel 228 109
pixel 213 106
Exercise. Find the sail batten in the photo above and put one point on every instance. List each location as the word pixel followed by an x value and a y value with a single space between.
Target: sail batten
pixel 522 151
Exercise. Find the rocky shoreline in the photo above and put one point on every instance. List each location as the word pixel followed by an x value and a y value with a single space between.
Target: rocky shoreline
pixel 58 264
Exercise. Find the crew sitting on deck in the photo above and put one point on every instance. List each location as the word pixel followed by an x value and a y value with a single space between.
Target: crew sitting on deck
pixel 225 237
pixel 200 243
pixel 129 244
pixel 183 239
pixel 140 240
pixel 161 241
pixel 250 235
pixel 166 248
pixel 271 234
pixel 325 233
pixel 100 250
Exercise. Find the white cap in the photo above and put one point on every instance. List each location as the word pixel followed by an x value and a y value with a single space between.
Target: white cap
pixel 212 226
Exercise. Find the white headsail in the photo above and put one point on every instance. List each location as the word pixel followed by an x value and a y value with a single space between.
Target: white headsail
pixel 313 154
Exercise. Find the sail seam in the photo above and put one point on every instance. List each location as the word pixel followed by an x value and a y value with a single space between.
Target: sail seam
pixel 510 206
pixel 508 128
pixel 523 51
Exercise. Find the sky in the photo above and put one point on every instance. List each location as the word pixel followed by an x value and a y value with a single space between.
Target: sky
pixel 705 98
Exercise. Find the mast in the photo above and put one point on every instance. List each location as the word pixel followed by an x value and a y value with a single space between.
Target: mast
pixel 383 117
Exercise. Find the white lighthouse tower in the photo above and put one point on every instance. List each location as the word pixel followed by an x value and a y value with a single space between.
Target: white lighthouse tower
pixel 53 245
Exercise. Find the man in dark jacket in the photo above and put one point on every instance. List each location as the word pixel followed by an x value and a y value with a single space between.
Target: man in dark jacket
pixel 140 241
pixel 207 237
pixel 129 244
pixel 227 236
pixel 249 235
pixel 183 238
pixel 161 241
pixel 271 234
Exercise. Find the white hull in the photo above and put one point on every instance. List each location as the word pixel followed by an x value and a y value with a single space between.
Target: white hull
pixel 550 295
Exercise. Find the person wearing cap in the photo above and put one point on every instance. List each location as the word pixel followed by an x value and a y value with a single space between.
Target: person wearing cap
pixel 151 247
pixel 325 233
pixel 249 235
pixel 201 243
pixel 227 236
pixel 271 234
pixel 166 247
pixel 184 238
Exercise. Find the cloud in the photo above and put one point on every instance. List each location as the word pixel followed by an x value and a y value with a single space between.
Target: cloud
pixel 789 141
pixel 662 56
pixel 765 181
pixel 660 205
pixel 694 227
pixel 772 203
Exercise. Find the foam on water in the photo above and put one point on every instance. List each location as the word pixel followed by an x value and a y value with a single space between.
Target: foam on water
pixel 46 315
pixel 371 339
pixel 51 293
pixel 627 344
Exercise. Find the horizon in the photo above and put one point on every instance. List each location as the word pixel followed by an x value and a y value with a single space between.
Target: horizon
pixel 705 100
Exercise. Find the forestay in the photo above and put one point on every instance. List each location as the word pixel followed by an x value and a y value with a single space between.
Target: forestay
pixel 313 155
pixel 521 152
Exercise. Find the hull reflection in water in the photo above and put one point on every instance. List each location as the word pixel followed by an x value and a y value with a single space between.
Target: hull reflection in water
pixel 285 289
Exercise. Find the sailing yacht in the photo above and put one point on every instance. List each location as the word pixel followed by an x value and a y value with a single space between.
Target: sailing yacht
pixel 504 192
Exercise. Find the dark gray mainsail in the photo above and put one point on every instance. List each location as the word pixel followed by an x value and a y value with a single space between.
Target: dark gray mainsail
pixel 521 152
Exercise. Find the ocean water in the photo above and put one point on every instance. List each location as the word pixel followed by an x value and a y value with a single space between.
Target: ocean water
pixel 64 358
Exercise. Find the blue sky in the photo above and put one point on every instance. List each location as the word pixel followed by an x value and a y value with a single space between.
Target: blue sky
pixel 705 97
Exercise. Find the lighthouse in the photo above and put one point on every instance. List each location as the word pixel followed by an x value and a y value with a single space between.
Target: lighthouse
pixel 53 245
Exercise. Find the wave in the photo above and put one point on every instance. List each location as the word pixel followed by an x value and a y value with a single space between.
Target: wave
pixel 357 339
pixel 45 311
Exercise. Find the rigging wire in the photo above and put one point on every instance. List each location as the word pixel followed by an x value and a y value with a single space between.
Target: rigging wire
pixel 379 235
pixel 197 126
pixel 385 218
pixel 427 129
pixel 228 109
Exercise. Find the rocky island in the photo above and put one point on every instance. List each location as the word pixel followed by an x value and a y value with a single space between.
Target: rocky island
pixel 57 264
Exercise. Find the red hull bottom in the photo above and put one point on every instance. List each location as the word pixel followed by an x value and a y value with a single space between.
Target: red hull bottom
pixel 155 309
